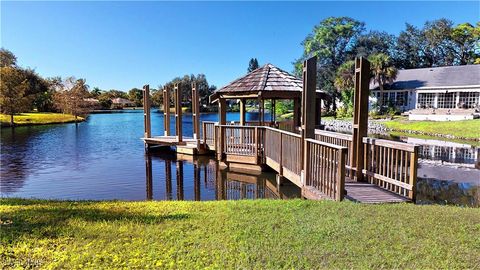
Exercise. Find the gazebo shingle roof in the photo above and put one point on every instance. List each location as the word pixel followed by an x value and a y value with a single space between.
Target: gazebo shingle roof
pixel 266 78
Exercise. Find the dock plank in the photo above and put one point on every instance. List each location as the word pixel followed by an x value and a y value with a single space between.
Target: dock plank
pixel 370 193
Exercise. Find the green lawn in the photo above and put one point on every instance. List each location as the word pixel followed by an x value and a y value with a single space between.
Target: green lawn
pixel 469 129
pixel 23 119
pixel 263 234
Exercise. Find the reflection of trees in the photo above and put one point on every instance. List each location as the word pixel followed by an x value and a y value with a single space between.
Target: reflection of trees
pixel 447 192
pixel 14 157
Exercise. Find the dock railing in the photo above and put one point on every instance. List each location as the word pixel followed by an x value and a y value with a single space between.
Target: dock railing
pixel 208 133
pixel 325 168
pixel 391 165
pixel 340 139
pixel 283 153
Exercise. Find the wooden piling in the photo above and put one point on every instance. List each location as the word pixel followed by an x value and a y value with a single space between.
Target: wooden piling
pixel 178 113
pixel 146 112
pixel 196 113
pixel 166 111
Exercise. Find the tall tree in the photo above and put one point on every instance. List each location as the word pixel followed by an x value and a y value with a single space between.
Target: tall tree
pixel 382 72
pixel 411 50
pixel 185 84
pixel 330 41
pixel 344 82
pixel 12 92
pixel 136 95
pixel 71 99
pixel 7 58
pixel 372 42
pixel 252 65
pixel 437 35
pixel 466 43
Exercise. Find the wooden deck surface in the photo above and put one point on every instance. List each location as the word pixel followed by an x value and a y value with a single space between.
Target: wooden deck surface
pixel 370 193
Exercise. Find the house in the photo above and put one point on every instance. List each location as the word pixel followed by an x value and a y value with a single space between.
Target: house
pixel 439 93
pixel 122 102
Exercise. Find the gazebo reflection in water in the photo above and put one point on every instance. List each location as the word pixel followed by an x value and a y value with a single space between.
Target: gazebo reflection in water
pixel 185 177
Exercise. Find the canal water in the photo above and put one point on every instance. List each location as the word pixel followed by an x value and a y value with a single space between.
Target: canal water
pixel 103 158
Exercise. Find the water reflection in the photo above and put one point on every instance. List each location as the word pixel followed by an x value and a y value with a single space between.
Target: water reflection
pixel 432 191
pixel 209 181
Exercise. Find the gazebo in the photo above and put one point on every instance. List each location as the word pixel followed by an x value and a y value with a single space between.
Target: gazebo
pixel 265 83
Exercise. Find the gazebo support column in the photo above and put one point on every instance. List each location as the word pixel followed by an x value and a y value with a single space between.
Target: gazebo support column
pixel 242 112
pixel 296 112
pixel 166 111
pixel 272 110
pixel 222 120
pixel 178 113
pixel 261 111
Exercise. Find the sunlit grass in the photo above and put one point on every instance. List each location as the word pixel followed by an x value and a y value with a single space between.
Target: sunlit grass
pixel 263 234
pixel 38 118
pixel 469 129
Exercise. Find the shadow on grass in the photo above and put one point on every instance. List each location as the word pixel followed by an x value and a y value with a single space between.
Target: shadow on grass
pixel 50 221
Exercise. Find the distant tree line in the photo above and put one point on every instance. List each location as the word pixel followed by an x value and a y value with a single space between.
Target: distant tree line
pixel 338 40
pixel 23 90
pixel 185 86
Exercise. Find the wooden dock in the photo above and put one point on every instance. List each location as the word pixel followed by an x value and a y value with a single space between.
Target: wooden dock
pixel 324 165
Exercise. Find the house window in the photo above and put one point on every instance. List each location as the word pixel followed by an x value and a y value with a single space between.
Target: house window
pixel 446 100
pixel 402 98
pixel 426 100
pixel 468 100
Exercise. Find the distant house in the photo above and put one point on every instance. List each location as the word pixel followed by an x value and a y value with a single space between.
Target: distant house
pixel 122 102
pixel 93 103
pixel 440 93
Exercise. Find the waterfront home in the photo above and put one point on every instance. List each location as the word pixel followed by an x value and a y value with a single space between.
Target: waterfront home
pixel 438 93
pixel 122 102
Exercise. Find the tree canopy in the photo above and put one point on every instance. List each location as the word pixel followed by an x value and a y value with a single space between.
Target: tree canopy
pixel 252 65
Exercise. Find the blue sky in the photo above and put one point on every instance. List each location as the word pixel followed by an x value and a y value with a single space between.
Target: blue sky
pixel 121 45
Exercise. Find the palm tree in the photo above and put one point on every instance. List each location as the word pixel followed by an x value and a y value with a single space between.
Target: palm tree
pixel 344 82
pixel 382 72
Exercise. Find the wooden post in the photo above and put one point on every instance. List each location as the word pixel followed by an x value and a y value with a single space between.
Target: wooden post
pixel 222 120
pixel 166 111
pixel 260 111
pixel 360 115
pixel 272 110
pixel 196 113
pixel 413 173
pixel 308 97
pixel 308 110
pixel 296 112
pixel 146 112
pixel 342 155
pixel 318 113
pixel 242 112
pixel 178 113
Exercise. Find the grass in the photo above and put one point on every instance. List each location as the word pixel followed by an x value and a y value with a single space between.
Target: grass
pixel 467 129
pixel 263 234
pixel 25 119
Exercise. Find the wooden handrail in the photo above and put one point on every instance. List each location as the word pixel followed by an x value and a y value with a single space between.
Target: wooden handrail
pixel 342 136
pixel 338 147
pixel 391 144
